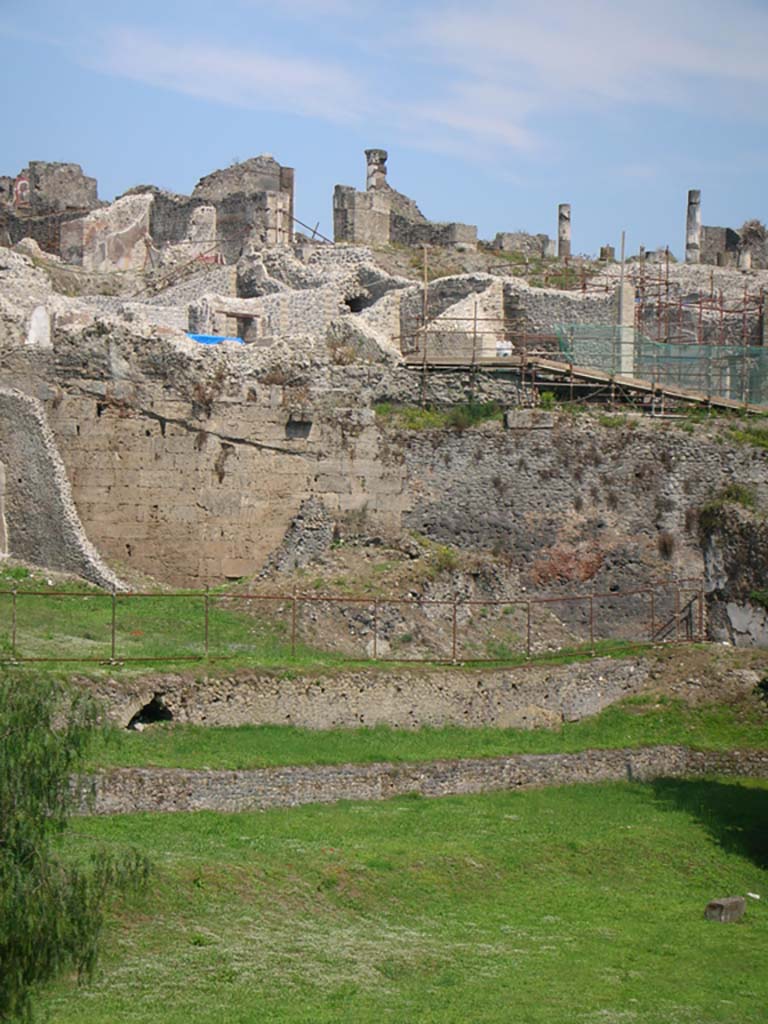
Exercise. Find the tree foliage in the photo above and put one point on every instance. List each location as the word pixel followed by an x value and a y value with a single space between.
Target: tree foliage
pixel 51 909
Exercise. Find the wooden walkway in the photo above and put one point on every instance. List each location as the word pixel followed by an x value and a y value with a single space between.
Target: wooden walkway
pixel 533 364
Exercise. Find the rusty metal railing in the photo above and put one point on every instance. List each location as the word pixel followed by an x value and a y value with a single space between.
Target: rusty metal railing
pixel 318 627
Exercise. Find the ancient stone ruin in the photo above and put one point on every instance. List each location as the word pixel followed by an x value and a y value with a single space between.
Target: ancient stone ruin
pixel 381 215
pixel 722 247
pixel 204 392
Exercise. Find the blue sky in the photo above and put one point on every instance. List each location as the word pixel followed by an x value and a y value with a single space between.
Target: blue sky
pixel 493 112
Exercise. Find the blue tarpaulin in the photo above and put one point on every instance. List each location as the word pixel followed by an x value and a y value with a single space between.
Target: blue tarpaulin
pixel 213 339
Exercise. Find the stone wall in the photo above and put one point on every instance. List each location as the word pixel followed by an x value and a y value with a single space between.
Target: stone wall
pixel 134 790
pixel 113 238
pixel 254 200
pixel 543 310
pixel 381 215
pixel 40 521
pixel 575 506
pixel 721 247
pixel 527 697
pixel 362 218
pixel 257 174
pixel 530 246
pixel 735 543
pixel 54 188
pixel 448 235
pixel 183 496
pixel 41 200
pixel 216 492
pixel 251 203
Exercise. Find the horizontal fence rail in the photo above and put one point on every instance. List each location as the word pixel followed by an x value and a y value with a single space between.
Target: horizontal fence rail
pixel 57 626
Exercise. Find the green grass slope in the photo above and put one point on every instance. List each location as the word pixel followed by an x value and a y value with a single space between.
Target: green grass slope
pixel 582 904
pixel 636 722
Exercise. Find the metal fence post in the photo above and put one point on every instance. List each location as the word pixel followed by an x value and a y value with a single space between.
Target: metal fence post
pixel 375 629
pixel 653 616
pixel 701 614
pixel 528 630
pixel 13 626
pixel 453 634
pixel 677 615
pixel 114 619
pixel 293 625
pixel 207 618
pixel 592 622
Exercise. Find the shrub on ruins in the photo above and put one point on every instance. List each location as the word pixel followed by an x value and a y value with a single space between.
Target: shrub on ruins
pixel 51 907
pixel 752 235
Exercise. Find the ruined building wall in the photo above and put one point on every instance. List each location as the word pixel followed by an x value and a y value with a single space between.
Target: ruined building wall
pixel 54 188
pixel 719 246
pixel 250 203
pixel 40 522
pixel 193 498
pixel 381 215
pixel 41 200
pixel 530 246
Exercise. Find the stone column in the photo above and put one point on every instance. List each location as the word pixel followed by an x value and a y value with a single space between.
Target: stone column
pixel 564 230
pixel 693 227
pixel 625 364
pixel 376 176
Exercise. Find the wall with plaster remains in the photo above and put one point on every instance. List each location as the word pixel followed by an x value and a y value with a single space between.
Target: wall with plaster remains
pixel 249 203
pixel 40 522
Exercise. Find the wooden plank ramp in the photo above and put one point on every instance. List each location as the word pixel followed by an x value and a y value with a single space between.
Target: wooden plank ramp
pixel 534 363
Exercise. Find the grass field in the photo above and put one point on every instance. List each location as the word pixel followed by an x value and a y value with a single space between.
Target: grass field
pixel 72 621
pixel 581 904
pixel 637 721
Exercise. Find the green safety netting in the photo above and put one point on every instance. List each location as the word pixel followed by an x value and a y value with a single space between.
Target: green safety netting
pixel 738 372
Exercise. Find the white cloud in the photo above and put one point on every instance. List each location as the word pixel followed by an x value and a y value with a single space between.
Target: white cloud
pixel 601 49
pixel 478 79
pixel 244 78
pixel 505 64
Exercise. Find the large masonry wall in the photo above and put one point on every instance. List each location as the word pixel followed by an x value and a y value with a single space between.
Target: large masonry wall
pixel 193 494
pixel 189 497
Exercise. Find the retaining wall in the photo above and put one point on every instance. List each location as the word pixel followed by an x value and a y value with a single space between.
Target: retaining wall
pixel 526 697
pixel 132 790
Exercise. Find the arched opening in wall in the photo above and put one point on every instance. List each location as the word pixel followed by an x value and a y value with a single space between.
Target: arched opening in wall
pixel 154 711
pixel 355 304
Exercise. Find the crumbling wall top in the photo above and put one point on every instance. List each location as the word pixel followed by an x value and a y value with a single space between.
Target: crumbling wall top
pixel 258 174
pixel 55 187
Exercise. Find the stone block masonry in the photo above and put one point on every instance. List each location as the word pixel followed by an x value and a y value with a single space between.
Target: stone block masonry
pixel 150 490
pixel 140 790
